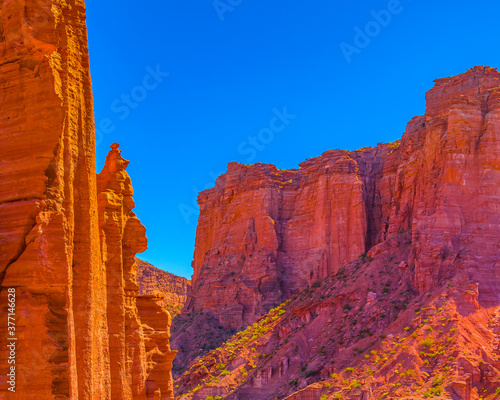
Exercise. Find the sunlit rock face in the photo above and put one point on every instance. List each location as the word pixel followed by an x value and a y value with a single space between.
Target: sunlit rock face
pixel 67 237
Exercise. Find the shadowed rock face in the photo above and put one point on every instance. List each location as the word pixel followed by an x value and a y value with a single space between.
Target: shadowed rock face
pixel 67 238
pixel 264 234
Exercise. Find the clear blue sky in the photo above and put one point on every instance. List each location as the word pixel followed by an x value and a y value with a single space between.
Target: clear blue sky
pixel 232 68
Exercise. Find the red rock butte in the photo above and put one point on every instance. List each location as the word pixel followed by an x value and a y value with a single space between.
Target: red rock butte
pixel 68 237
pixel 265 234
pixel 408 230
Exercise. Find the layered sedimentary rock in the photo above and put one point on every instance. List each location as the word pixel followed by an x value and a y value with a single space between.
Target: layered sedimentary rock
pixel 272 232
pixel 416 316
pixel 172 289
pixel 49 222
pixel 156 322
pixel 265 233
pixel 139 328
pixel 75 293
pixel 447 186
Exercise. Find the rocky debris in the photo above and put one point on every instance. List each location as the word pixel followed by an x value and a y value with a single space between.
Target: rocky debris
pixel 331 342
pixel 172 289
pixel 67 238
pixel 265 234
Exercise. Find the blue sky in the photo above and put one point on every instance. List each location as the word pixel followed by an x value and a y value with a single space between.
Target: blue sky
pixel 187 86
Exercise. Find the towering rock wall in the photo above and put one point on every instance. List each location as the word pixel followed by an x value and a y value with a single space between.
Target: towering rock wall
pixel 139 328
pixel 73 313
pixel 172 289
pixel 265 233
pixel 447 186
pixel 49 222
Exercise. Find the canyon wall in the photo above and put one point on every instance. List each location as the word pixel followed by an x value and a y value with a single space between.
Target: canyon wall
pixel 447 185
pixel 172 289
pixel 67 238
pixel 264 234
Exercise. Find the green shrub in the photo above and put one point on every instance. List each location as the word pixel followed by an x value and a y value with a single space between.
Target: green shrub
pixel 434 391
pixel 438 381
pixel 355 384
pixel 311 373
pixel 427 342
pixel 316 284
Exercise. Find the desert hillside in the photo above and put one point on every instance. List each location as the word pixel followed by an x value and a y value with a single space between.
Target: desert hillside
pixel 405 234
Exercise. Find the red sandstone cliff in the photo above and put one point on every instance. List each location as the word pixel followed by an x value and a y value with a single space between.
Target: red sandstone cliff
pixel 172 289
pixel 265 234
pixel 363 333
pixel 273 232
pixel 68 239
pixel 139 328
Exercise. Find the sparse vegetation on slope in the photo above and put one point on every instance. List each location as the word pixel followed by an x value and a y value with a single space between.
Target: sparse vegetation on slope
pixel 363 330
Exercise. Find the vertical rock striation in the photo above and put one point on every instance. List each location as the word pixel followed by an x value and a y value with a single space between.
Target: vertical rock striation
pixel 447 187
pixel 79 331
pixel 49 229
pixel 139 329
pixel 264 234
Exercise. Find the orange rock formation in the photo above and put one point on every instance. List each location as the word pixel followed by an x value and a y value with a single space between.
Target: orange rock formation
pixel 68 239
pixel 139 349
